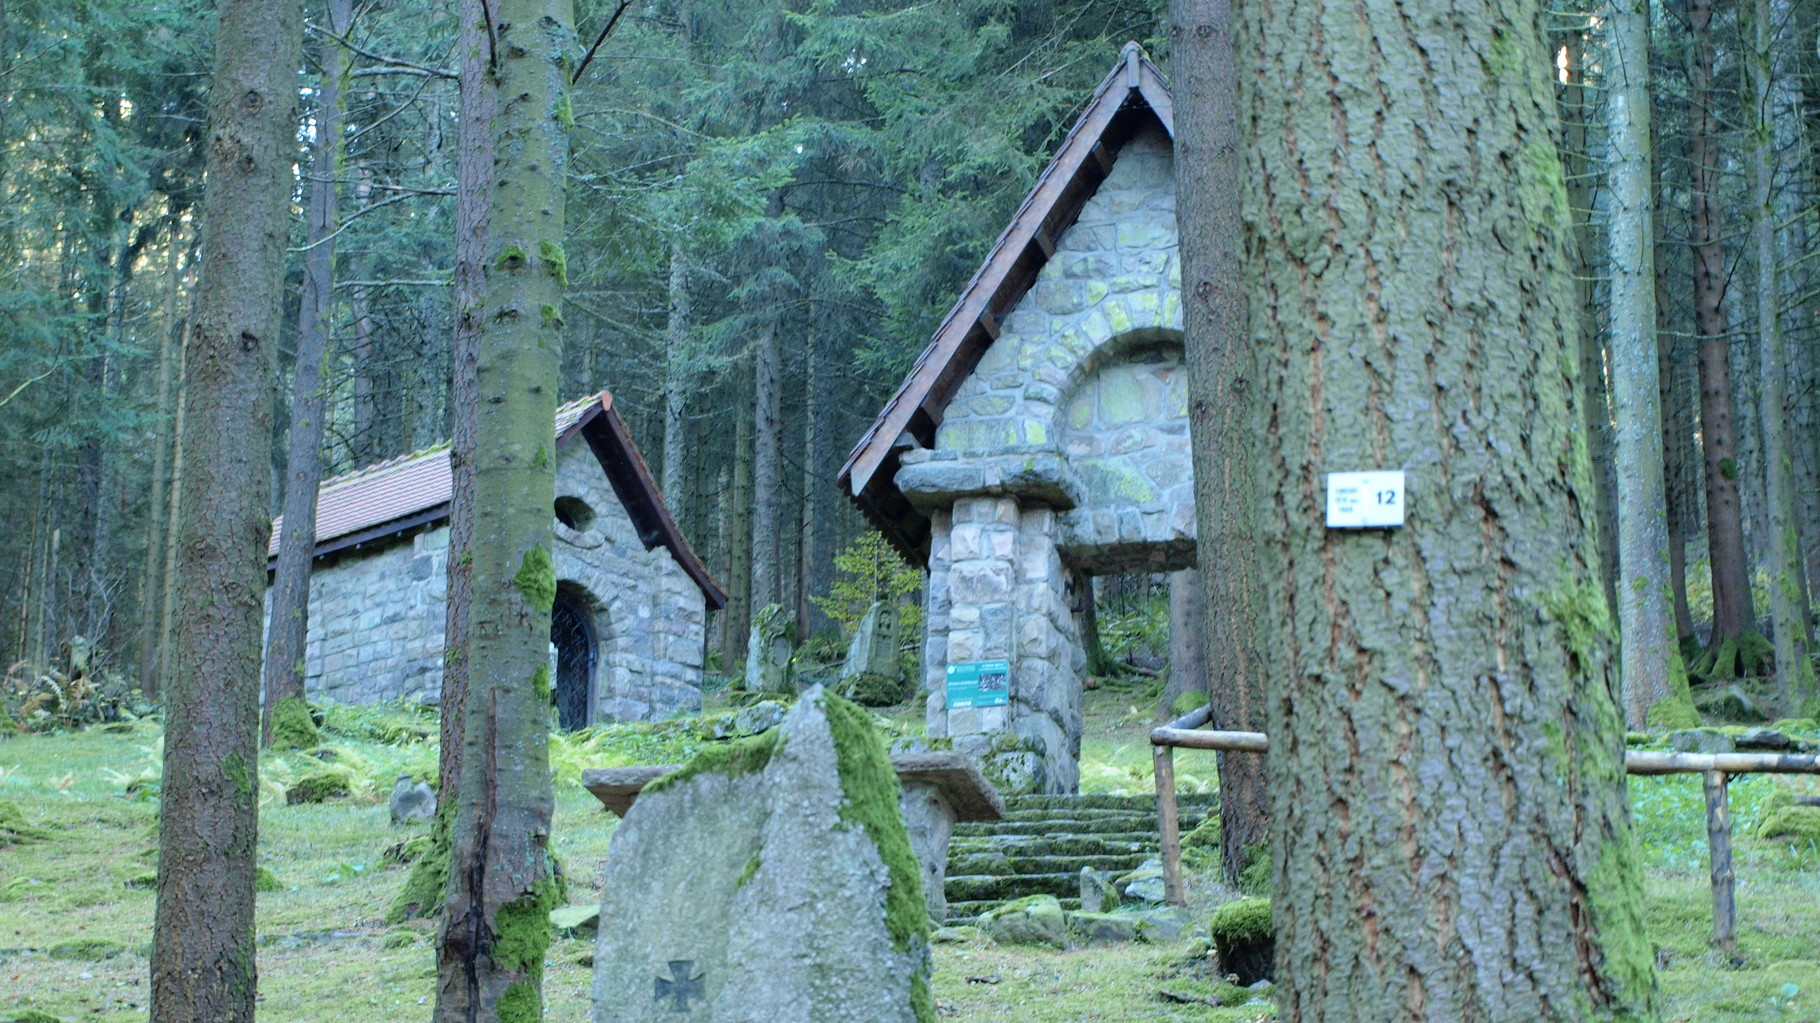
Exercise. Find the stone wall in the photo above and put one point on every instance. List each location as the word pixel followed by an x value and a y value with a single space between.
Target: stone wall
pixel 376 612
pixel 1064 453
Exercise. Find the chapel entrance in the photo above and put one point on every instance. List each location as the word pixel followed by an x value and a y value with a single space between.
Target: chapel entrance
pixel 577 654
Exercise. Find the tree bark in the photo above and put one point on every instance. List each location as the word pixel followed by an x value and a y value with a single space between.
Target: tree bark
pixel 1733 615
pixel 767 464
pixel 816 572
pixel 151 575
pixel 287 630
pixel 1450 836
pixel 495 930
pixel 1187 670
pixel 202 944
pixel 1788 607
pixel 1222 409
pixel 677 380
pixel 740 560
pixel 1646 629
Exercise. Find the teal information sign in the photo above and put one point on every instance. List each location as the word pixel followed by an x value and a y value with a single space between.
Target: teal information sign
pixel 979 684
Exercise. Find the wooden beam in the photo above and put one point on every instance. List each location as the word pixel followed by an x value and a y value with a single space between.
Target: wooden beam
pixel 1719 844
pixel 1169 827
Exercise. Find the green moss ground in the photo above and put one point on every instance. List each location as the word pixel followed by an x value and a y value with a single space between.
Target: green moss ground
pixel 326 952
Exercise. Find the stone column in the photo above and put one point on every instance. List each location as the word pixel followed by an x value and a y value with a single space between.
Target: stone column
pixel 982 614
pixel 1047 670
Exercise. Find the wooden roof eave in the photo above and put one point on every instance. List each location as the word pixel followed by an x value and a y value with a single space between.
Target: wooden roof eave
pixel 1027 243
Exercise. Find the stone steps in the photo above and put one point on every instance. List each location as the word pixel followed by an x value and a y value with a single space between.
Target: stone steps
pixel 1044 841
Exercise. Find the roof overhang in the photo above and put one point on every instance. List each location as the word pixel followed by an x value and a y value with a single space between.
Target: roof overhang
pixel 1132 98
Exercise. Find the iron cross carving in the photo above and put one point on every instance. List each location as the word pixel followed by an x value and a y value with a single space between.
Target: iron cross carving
pixel 680 986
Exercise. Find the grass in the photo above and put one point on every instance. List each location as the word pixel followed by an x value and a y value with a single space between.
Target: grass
pixel 326 954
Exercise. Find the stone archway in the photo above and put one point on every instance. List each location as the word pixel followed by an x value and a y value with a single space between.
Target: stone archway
pixel 577 657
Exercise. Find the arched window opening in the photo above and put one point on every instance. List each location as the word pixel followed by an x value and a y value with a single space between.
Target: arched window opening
pixel 572 634
pixel 574 513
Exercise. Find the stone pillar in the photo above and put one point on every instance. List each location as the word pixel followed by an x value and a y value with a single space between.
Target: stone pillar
pixel 1049 664
pixel 982 613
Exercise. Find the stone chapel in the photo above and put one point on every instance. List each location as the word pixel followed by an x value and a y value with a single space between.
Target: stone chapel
pixel 1042 438
pixel 628 630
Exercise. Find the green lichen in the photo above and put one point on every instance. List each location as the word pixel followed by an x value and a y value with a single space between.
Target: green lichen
pixel 751 871
pixel 541 457
pixel 1241 922
pixel 1626 957
pixel 427 887
pixel 554 260
pixel 292 725
pixel 240 775
pixel 511 259
pixel 870 796
pixel 551 315
pixel 536 579
pixel 731 759
pixel 565 112
pixel 540 683
pixel 1579 608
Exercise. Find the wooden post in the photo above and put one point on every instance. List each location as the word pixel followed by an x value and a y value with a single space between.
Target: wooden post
pixel 1168 825
pixel 1719 844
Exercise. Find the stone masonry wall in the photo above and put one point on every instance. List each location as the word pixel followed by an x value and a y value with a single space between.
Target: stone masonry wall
pixel 1065 451
pixel 376 613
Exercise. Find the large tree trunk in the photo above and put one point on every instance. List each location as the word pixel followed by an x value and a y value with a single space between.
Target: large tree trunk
pixel 495 931
pixel 1788 611
pixel 202 941
pixel 151 575
pixel 1450 831
pixel 1733 615
pixel 740 584
pixel 1677 396
pixel 815 573
pixel 677 380
pixel 287 630
pixel 1645 616
pixel 1222 410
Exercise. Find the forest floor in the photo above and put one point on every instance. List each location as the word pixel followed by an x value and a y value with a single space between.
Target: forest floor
pixel 76 907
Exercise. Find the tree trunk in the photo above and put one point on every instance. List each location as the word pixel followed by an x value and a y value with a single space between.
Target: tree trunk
pixel 1187 669
pixel 151 588
pixel 495 930
pixel 1450 835
pixel 202 942
pixel 1733 615
pixel 816 569
pixel 1646 627
pixel 1222 411
pixel 740 583
pixel 1676 399
pixel 767 465
pixel 677 380
pixel 287 630
pixel 1788 612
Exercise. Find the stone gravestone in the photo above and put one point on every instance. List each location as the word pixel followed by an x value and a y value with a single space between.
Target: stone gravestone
pixel 768 651
pixel 768 881
pixel 873 673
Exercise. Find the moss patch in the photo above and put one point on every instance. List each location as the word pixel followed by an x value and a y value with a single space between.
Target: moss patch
pixel 320 787
pixel 264 880
pixel 427 887
pixel 1254 876
pixel 521 936
pixel 1241 922
pixel 34 1016
pixel 14 830
pixel 86 949
pixel 536 579
pixel 292 725
pixel 1800 823
pixel 732 759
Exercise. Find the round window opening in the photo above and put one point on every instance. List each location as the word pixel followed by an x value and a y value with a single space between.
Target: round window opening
pixel 574 513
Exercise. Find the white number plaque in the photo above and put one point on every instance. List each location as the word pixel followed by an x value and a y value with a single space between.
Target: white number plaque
pixel 1364 500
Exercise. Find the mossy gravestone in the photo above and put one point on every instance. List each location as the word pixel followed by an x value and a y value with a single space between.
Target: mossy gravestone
pixel 768 881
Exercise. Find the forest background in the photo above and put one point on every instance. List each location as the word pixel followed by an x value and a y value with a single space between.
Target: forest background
pixel 771 206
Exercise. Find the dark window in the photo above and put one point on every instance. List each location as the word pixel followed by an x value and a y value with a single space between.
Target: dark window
pixel 574 513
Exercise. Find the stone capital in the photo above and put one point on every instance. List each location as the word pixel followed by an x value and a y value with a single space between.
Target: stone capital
pixel 1035 475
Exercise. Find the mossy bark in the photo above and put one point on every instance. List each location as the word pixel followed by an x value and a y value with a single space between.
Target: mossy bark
pixel 499 860
pixel 1451 835
pixel 202 964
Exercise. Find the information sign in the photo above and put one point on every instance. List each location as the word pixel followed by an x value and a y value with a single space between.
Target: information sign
pixel 979 684
pixel 1365 500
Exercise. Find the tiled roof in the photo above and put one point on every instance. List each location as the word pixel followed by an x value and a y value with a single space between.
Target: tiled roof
pixel 414 489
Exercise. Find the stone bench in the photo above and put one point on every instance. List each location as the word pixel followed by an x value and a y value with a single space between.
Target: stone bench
pixel 939 791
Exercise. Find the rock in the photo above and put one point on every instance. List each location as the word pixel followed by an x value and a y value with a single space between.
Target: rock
pixel 1145 884
pixel 575 921
pixel 1796 821
pixel 1731 703
pixel 1103 928
pixel 266 881
pixel 770 880
pixel 1164 924
pixel 320 787
pixel 953 935
pixel 1098 894
pixel 1701 740
pixel 760 716
pixel 1037 920
pixel 873 675
pixel 1764 739
pixel 88 949
pixel 412 802
pixel 769 648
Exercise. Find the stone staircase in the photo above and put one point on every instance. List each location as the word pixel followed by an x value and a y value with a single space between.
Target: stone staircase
pixel 1044 841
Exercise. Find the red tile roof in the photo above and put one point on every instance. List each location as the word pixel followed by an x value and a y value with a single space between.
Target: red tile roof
pixel 411 490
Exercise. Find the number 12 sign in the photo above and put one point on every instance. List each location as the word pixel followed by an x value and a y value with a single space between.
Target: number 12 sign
pixel 1364 500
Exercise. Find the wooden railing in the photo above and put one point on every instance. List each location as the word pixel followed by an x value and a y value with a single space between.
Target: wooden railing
pixel 1715 769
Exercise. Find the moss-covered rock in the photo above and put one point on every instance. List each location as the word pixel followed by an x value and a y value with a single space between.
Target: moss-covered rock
pixel 1791 822
pixel 293 726
pixel 266 881
pixel 1036 920
pixel 86 949
pixel 1242 936
pixel 320 787
pixel 33 1016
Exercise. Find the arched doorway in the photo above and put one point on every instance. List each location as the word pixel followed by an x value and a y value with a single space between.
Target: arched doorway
pixel 577 654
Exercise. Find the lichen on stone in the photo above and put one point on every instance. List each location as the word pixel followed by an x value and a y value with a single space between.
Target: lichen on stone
pixel 732 759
